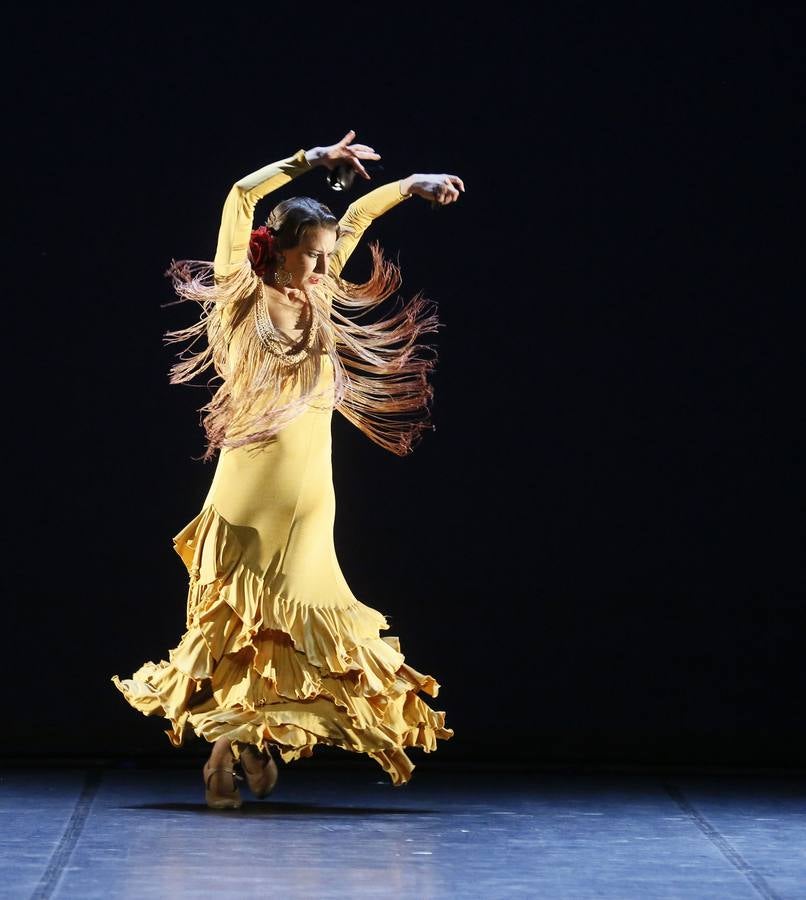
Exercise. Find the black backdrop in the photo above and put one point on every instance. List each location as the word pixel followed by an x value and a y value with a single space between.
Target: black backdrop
pixel 597 551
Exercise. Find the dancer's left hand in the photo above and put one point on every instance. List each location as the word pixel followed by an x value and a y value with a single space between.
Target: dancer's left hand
pixel 440 189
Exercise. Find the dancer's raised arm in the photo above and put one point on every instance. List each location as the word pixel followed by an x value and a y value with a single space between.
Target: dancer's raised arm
pixel 440 189
pixel 239 207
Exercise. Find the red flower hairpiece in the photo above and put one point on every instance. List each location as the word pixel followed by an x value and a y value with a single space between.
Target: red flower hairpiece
pixel 262 249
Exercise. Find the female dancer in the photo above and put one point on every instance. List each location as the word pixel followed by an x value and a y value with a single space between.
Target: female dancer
pixel 277 650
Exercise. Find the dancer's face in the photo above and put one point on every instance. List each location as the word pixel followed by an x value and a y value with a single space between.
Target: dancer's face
pixel 308 262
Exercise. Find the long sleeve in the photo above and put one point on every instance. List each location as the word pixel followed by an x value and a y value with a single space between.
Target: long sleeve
pixel 359 216
pixel 239 209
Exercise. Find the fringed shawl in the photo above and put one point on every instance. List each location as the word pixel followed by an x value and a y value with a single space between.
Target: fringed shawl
pixel 380 368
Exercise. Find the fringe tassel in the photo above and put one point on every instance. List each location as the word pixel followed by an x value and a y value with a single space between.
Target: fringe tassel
pixel 380 368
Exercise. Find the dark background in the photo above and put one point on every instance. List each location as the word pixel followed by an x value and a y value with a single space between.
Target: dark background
pixel 597 552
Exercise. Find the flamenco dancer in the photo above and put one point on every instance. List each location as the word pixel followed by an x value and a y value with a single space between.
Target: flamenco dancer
pixel 278 652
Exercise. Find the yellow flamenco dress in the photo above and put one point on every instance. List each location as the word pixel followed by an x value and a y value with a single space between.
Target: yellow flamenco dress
pixel 278 651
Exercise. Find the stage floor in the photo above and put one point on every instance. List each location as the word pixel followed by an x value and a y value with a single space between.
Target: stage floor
pixel 325 833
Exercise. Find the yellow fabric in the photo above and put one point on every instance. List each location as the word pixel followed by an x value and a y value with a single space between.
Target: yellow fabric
pixel 239 209
pixel 277 648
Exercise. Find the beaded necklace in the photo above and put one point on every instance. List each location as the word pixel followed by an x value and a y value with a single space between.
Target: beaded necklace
pixel 270 338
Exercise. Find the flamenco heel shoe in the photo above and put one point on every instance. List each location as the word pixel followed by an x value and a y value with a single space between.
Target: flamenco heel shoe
pixel 260 770
pixel 217 799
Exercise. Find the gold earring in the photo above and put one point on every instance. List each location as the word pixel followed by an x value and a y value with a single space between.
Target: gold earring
pixel 282 277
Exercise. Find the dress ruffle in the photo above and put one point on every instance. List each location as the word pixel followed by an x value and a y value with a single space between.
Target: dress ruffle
pixel 262 669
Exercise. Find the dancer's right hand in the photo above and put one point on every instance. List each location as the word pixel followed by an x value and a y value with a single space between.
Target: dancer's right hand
pixel 342 153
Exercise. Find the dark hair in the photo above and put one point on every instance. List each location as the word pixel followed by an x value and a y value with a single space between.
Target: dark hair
pixel 290 220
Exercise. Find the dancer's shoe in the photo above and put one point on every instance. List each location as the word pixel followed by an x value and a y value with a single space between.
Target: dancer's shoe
pixel 260 770
pixel 214 795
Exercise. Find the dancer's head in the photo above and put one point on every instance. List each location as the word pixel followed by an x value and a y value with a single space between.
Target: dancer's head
pixel 305 233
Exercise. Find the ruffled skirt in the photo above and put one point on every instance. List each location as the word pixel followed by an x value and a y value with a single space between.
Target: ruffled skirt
pixel 258 668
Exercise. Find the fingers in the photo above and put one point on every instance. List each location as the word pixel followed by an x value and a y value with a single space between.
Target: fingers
pixel 445 192
pixel 354 153
pixel 363 151
pixel 455 179
pixel 356 163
